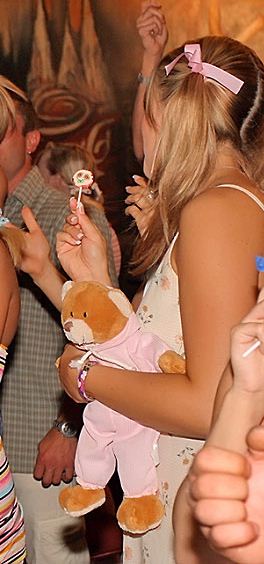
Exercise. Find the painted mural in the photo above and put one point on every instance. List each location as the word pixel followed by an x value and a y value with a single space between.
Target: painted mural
pixel 79 59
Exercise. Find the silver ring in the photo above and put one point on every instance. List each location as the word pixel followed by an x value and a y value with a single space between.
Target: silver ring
pixel 150 195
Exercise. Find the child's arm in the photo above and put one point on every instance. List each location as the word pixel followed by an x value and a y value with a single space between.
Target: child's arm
pixel 224 488
pixel 9 303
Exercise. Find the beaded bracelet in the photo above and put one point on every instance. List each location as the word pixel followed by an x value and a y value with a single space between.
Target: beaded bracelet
pixel 81 379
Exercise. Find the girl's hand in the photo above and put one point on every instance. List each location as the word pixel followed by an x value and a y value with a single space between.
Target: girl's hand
pixel 227 495
pixel 249 370
pixel 140 203
pixel 152 28
pixel 68 376
pixel 81 248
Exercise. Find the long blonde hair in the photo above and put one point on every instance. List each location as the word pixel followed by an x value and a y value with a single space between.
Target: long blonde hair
pixel 197 115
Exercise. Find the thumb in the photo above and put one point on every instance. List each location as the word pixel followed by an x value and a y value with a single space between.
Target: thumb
pixel 88 228
pixel 255 442
pixel 261 295
pixel 29 219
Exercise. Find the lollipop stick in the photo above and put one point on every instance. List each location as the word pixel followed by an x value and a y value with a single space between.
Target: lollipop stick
pixel 251 349
pixel 79 197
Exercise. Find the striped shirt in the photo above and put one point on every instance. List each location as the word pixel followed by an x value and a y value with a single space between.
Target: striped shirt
pixel 12 533
pixel 3 356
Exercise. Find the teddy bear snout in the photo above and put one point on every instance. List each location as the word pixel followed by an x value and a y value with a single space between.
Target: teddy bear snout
pixel 68 326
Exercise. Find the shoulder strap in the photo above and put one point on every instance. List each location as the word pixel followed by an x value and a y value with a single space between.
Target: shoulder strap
pixel 245 191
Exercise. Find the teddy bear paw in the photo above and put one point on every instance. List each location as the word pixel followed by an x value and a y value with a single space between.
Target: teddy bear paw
pixel 137 515
pixel 77 501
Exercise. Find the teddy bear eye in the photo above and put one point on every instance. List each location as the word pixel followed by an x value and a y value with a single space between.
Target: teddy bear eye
pixel 84 314
pixel 71 314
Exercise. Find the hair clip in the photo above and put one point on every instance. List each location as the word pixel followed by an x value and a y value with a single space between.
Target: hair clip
pixel 192 52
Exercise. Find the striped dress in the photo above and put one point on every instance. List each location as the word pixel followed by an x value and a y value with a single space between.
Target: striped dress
pixel 12 533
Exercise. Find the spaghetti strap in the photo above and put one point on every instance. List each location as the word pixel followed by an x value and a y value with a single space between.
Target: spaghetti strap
pixel 167 257
pixel 245 191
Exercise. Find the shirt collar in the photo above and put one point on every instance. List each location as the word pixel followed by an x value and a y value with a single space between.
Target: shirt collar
pixel 30 189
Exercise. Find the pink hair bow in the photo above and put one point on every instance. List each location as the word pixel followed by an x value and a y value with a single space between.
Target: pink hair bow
pixel 192 52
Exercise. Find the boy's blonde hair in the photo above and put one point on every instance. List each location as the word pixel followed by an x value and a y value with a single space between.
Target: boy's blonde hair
pixel 197 115
pixel 8 93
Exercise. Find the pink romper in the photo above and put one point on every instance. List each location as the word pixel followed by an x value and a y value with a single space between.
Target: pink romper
pixel 109 438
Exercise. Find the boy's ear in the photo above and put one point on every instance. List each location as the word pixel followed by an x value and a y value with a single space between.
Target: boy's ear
pixel 32 140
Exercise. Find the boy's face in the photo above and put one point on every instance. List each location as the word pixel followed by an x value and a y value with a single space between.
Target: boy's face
pixel 13 151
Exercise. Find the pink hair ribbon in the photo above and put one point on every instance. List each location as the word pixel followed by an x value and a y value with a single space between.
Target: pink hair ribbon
pixel 192 52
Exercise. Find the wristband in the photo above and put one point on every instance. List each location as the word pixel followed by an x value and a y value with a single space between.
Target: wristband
pixel 81 380
pixel 143 79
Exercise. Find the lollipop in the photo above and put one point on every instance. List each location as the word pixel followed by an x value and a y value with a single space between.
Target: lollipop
pixel 256 344
pixel 82 179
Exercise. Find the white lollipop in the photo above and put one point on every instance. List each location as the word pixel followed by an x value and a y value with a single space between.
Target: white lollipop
pixel 82 179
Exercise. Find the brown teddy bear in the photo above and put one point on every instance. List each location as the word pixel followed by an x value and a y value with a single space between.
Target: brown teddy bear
pixel 100 320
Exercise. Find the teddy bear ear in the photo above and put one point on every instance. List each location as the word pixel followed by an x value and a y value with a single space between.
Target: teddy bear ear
pixel 121 301
pixel 65 288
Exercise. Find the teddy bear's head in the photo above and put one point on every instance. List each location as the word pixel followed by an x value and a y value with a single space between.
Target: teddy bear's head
pixel 93 313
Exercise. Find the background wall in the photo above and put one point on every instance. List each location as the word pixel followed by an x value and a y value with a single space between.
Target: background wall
pixel 79 60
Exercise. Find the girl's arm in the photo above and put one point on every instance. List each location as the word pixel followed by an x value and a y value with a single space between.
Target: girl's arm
pixel 218 284
pixel 9 303
pixel 153 31
pixel 222 495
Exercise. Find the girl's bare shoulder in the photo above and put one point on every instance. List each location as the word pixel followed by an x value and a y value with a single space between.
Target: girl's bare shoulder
pixel 225 204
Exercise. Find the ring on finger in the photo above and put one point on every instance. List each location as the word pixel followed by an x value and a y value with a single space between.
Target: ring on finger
pixel 150 195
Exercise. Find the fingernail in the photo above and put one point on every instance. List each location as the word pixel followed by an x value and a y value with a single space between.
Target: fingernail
pixel 81 208
pixel 73 220
pixel 77 242
pixel 135 177
pixel 80 236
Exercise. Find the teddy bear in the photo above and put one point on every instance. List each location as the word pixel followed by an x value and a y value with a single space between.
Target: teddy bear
pixel 100 321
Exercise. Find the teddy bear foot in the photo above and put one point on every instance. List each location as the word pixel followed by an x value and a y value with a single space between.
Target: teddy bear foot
pixel 77 501
pixel 137 515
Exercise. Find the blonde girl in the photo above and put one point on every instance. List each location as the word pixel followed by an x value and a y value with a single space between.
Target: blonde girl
pixel 203 145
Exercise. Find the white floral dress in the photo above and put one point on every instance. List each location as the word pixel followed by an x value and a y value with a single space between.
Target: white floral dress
pixel 159 312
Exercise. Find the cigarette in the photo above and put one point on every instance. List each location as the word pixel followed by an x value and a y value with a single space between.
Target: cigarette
pixel 79 197
pixel 251 349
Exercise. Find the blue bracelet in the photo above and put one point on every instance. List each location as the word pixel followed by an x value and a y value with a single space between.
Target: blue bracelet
pixel 81 380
